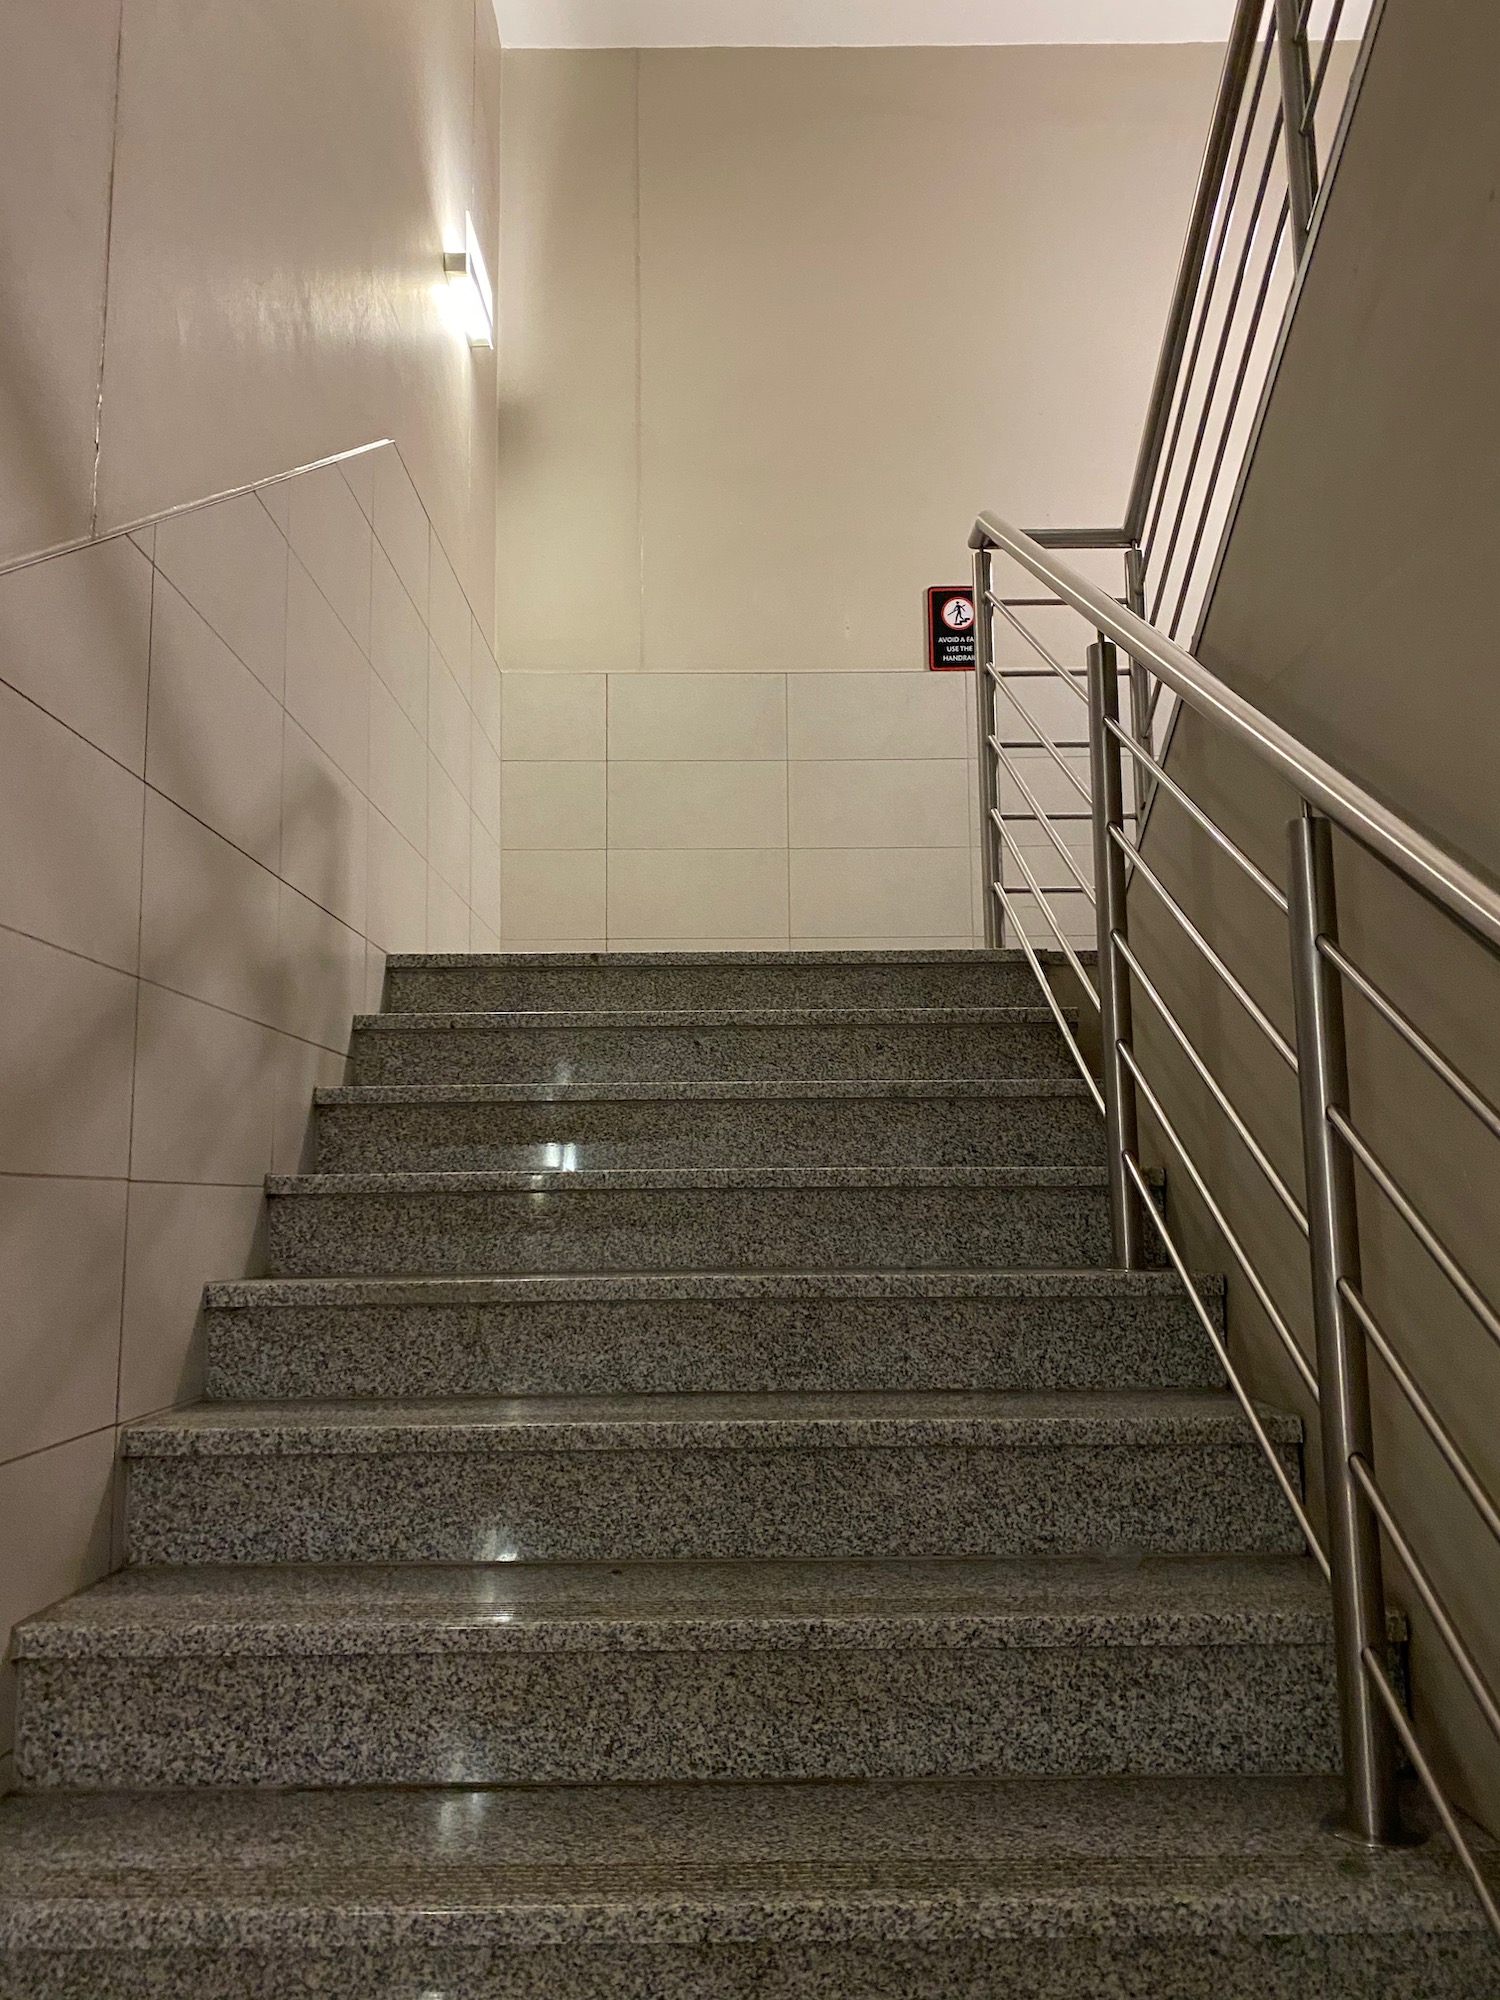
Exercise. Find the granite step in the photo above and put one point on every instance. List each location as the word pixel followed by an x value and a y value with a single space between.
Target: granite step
pixel 432 1128
pixel 274 1339
pixel 973 1889
pixel 705 1045
pixel 607 1479
pixel 515 1674
pixel 689 1219
pixel 434 983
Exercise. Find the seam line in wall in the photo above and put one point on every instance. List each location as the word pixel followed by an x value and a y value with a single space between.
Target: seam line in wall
pixel 58 1444
pixel 640 432
pixel 109 238
pixel 116 1519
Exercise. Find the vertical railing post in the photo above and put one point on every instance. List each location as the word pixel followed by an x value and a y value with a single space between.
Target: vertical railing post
pixel 1296 94
pixel 1107 791
pixel 1371 1809
pixel 985 726
pixel 1140 680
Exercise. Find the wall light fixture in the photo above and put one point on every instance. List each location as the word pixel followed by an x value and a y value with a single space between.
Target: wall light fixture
pixel 469 289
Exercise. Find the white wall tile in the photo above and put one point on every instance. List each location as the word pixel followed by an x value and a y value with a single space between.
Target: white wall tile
pixel 327 677
pixel 484 881
pixel 325 830
pixel 70 832
pixel 447 916
pixel 448 817
pixel 398 641
pixel 880 803
pixel 700 893
pixel 449 724
pixel 230 563
pixel 880 892
pixel 209 916
pixel 691 804
pixel 322 968
pixel 485 690
pixel 484 779
pixel 552 896
pixel 62 1248
pixel 299 1068
pixel 75 635
pixel 204 1092
pixel 359 476
pixel 64 1061
pixel 877 715
pixel 656 717
pixel 178 1239
pixel 398 766
pixel 552 806
pixel 398 885
pixel 214 739
pixel 555 718
pixel 448 616
pixel 332 538
pixel 401 524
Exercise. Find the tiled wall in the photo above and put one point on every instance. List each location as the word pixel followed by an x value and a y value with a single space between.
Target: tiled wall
pixel 242 755
pixel 721 811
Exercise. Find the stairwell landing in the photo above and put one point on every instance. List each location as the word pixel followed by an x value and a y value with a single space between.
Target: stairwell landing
pixel 692 1512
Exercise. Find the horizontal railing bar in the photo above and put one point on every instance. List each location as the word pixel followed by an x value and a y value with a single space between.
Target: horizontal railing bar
pixel 1456 1081
pixel 1035 603
pixel 1044 742
pixel 1062 818
pixel 1190 805
pixel 1221 1222
pixel 998 889
pixel 1008 840
pixel 1044 822
pixel 1401 1723
pixel 1448 1632
pixel 1412 854
pixel 1179 1263
pixel 1082 538
pixel 1436 1249
pixel 1037 647
pixel 1221 1096
pixel 1316 89
pixel 1256 1012
pixel 1431 1422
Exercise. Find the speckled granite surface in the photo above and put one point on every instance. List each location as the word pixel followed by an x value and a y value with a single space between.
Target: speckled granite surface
pixel 181 1678
pixel 703 1045
pixel 1038 1122
pixel 702 1219
pixel 602 1479
pixel 270 1339
pixel 689 979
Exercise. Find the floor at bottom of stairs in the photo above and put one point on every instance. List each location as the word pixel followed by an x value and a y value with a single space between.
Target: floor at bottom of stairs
pixel 967 1890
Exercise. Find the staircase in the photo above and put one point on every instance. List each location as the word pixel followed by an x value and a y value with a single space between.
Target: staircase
pixel 692 1513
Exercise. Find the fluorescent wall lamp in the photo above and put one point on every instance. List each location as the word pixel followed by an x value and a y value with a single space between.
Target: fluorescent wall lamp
pixel 469 289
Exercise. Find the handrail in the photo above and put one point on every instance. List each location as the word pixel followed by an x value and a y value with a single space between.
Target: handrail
pixel 135 527
pixel 1412 853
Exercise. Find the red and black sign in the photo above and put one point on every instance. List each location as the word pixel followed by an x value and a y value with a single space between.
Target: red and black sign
pixel 950 628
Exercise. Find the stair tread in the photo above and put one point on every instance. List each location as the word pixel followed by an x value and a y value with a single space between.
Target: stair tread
pixel 481 961
pixel 528 1866
pixel 850 1603
pixel 702 1017
pixel 586 1180
pixel 1100 1282
pixel 775 1090
pixel 799 1420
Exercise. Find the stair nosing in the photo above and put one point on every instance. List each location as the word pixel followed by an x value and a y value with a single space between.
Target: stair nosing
pixel 603 1180
pixel 737 1090
pixel 457 1020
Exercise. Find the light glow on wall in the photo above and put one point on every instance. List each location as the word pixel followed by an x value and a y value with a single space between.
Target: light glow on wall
pixel 471 297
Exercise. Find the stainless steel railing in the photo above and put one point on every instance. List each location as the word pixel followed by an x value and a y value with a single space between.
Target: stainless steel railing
pixel 1362 1521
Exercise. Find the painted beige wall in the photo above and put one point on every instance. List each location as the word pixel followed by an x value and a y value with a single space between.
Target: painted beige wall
pixel 775 325
pixel 777 322
pixel 1355 605
pixel 222 228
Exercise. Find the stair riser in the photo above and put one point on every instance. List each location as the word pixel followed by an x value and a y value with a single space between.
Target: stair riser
pixel 591 1506
pixel 666 1132
pixel 467 1719
pixel 705 1055
pixel 502 987
pixel 802 1228
pixel 1407 1966
pixel 608 1347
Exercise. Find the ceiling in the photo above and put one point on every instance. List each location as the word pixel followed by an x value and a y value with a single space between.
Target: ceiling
pixel 596 24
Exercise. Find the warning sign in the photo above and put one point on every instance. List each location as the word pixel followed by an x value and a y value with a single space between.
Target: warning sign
pixel 950 628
